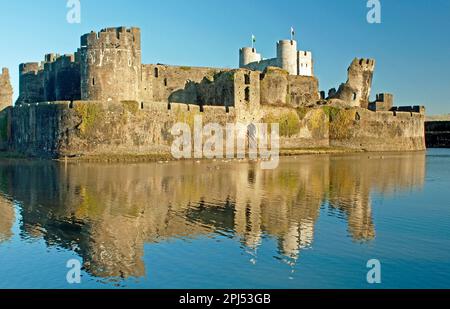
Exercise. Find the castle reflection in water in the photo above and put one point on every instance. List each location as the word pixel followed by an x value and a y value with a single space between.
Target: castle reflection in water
pixel 106 213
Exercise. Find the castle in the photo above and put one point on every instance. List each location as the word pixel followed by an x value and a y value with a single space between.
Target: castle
pixel 102 99
pixel 108 67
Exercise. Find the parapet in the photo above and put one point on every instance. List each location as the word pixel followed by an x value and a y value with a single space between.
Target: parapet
pixel 410 109
pixel 30 67
pixel 248 55
pixel 383 102
pixel 365 64
pixel 120 37
pixel 304 54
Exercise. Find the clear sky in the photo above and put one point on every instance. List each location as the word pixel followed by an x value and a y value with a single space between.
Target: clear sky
pixel 411 45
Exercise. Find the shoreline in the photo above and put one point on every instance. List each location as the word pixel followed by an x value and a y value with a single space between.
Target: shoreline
pixel 161 158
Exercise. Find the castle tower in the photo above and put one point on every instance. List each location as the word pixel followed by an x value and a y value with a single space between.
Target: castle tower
pixel 356 91
pixel 6 90
pixel 248 55
pixel 111 64
pixel 287 56
pixel 31 83
pixel 305 63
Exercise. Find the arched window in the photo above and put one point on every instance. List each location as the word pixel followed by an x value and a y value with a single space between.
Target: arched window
pixel 156 72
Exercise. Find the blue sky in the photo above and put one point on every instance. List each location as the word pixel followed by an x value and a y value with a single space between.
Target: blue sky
pixel 411 45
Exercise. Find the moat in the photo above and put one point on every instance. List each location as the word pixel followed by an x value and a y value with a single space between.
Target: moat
pixel 312 223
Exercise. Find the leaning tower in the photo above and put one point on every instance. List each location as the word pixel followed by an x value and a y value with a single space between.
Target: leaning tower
pixel 111 64
pixel 6 90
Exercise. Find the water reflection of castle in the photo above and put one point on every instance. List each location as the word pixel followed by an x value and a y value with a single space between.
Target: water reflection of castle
pixel 107 212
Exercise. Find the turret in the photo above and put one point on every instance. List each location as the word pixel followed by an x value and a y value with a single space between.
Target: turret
pixel 287 56
pixel 111 64
pixel 248 55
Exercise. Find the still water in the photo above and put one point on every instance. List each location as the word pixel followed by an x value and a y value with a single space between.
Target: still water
pixel 312 223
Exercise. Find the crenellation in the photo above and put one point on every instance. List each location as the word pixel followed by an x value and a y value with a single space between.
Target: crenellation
pixel 356 91
pixel 106 76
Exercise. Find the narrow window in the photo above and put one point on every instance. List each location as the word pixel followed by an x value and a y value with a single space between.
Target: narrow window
pixel 247 94
pixel 247 79
pixel 156 73
pixel 354 96
pixel 93 82
pixel 142 105
pixel 165 82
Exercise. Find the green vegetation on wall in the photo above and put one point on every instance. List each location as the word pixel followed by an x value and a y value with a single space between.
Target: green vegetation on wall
pixel 90 113
pixel 289 123
pixel 331 111
pixel 341 122
pixel 131 106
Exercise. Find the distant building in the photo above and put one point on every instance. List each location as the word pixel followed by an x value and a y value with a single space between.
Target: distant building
pixel 295 62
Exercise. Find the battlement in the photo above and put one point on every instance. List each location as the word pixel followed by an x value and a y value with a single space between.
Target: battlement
pixel 30 67
pixel 383 102
pixel 365 64
pixel 120 37
pixel 410 109
pixel 304 54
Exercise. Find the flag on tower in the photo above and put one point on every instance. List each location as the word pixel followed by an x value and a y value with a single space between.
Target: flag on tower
pixel 292 33
pixel 253 40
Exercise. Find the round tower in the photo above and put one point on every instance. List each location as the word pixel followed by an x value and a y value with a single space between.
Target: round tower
pixel 111 65
pixel 248 55
pixel 287 56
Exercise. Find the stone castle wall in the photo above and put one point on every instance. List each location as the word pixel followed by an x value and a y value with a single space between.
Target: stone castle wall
pixel 105 129
pixel 359 128
pixel 56 78
pixel 81 128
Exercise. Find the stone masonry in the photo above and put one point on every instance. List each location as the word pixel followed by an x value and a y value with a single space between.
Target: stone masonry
pixel 102 100
pixel 6 90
